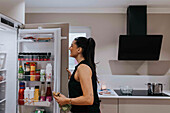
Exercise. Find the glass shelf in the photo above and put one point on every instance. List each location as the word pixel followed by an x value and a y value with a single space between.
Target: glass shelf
pixel 2 81
pixel 2 69
pixel 3 52
pixel 3 100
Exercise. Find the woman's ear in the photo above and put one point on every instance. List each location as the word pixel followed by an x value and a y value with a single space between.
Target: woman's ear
pixel 79 50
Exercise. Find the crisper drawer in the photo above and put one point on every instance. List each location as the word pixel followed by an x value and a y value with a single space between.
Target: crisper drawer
pixel 2 91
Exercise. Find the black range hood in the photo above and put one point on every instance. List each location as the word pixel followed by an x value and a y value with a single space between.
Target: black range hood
pixel 137 45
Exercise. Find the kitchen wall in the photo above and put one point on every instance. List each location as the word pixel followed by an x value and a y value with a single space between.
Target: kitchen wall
pixel 105 29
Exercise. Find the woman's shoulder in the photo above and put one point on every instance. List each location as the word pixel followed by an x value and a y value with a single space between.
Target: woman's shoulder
pixel 84 68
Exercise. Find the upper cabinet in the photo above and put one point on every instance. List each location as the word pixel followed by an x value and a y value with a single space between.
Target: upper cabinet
pixel 14 9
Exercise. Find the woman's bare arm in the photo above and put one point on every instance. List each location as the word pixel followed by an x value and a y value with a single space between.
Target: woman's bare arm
pixel 84 74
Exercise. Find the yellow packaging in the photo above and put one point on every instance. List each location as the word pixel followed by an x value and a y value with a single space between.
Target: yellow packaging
pixel 36 94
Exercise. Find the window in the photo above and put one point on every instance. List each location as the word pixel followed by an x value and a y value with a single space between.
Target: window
pixel 77 31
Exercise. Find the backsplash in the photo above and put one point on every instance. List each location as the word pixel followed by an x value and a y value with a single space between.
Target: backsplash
pixel 136 82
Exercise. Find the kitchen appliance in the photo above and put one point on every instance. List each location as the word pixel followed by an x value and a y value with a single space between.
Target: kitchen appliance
pixel 12 37
pixel 155 88
pixel 137 45
pixel 140 93
pixel 126 90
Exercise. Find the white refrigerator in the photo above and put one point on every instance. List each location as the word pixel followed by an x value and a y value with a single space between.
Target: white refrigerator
pixel 15 41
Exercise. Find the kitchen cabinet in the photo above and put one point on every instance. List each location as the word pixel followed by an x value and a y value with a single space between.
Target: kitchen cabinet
pixel 14 9
pixel 143 106
pixel 109 105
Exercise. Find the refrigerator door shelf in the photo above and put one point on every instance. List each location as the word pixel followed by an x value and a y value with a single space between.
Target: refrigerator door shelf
pixel 36 61
pixel 36 79
pixel 40 104
pixel 35 41
pixel 4 81
pixel 2 70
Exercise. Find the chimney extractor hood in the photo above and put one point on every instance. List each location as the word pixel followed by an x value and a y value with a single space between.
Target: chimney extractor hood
pixel 137 45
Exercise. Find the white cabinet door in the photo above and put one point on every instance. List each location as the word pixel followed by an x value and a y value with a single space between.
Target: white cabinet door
pixel 143 106
pixel 109 105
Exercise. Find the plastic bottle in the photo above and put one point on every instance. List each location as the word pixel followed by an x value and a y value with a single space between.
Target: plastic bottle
pixel 21 93
pixel 42 97
pixel 36 94
pixel 31 96
pixel 48 92
pixel 48 72
pixel 20 73
pixel 32 72
pixel 26 95
pixel 42 75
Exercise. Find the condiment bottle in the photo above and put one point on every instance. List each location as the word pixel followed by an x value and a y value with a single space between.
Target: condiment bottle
pixel 32 72
pixel 48 92
pixel 42 97
pixel 48 56
pixel 27 71
pixel 37 75
pixel 42 75
pixel 22 56
pixel 21 93
pixel 19 57
pixel 26 56
pixel 20 73
pixel 36 94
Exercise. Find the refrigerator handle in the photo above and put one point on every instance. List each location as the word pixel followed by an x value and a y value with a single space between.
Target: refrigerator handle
pixel 63 38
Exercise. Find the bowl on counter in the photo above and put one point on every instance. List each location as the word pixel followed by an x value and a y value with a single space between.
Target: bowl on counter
pixel 126 90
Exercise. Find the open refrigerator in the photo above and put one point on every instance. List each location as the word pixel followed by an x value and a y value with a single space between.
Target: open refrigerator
pixel 36 47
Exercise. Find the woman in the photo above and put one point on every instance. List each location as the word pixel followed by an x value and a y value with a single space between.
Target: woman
pixel 83 82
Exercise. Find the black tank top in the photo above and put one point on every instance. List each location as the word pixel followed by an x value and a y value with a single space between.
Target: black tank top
pixel 76 91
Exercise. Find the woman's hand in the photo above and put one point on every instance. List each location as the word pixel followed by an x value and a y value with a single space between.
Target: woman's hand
pixel 69 73
pixel 62 100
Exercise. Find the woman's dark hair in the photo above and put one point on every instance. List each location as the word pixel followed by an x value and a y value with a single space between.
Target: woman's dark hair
pixel 88 50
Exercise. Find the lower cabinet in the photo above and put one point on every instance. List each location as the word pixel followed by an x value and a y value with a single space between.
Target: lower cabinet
pixel 143 106
pixel 109 105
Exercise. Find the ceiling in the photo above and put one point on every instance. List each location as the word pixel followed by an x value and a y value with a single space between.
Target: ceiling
pixel 35 5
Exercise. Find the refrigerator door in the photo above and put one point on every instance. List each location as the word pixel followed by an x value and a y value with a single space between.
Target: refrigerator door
pixel 54 47
pixel 8 67
pixel 64 49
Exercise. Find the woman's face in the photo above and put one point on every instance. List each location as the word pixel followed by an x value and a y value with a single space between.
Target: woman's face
pixel 73 49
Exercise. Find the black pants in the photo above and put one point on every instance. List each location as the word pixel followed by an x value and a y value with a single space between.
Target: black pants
pixel 85 112
pixel 79 112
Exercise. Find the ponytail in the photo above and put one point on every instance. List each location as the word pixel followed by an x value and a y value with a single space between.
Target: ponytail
pixel 88 51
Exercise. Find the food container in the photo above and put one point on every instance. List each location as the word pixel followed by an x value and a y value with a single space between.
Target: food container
pixel 126 90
